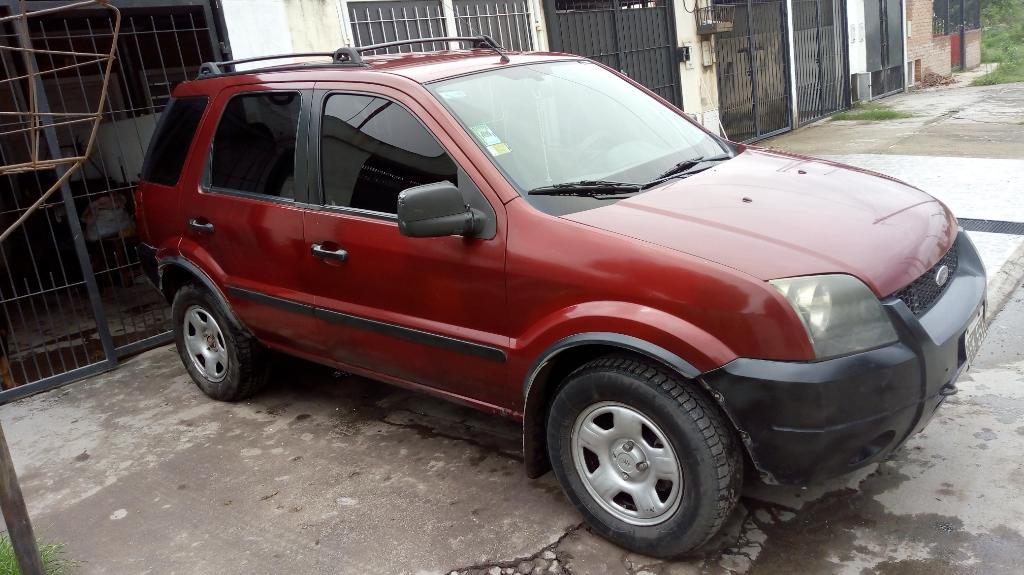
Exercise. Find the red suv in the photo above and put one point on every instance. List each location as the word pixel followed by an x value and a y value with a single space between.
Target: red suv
pixel 540 237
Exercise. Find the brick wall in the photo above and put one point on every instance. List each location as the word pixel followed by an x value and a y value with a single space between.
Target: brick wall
pixel 973 41
pixel 929 53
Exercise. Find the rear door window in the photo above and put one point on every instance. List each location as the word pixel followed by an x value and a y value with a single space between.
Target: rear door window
pixel 169 146
pixel 253 150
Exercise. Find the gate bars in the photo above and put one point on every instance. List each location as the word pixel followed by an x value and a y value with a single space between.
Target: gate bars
pixel 72 294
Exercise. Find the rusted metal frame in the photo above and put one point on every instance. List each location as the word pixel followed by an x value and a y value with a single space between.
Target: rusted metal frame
pixel 52 52
pixel 36 121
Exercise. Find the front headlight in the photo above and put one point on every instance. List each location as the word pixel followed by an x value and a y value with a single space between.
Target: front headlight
pixel 841 315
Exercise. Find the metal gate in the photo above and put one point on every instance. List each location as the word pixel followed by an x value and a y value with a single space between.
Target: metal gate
pixel 72 293
pixel 820 58
pixel 753 77
pixel 636 37
pixel 375 22
pixel 883 29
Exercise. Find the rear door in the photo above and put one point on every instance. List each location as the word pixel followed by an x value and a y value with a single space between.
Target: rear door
pixel 425 310
pixel 244 222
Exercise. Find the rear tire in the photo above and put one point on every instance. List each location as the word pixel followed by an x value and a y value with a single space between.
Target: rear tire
pixel 225 362
pixel 647 460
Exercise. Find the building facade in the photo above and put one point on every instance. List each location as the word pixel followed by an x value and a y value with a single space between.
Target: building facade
pixel 943 36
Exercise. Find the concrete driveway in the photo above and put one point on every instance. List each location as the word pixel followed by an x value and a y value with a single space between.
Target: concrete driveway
pixel 137 472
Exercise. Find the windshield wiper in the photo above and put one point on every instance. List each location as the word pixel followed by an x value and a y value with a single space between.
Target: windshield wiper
pixel 685 167
pixel 588 188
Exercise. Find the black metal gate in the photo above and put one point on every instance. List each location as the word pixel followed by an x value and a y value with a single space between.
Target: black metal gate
pixel 883 30
pixel 72 293
pixel 636 37
pixel 753 76
pixel 820 58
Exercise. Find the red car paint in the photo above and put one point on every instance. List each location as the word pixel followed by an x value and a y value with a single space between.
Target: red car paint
pixel 683 267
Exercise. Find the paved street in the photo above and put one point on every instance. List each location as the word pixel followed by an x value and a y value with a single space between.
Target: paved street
pixel 137 472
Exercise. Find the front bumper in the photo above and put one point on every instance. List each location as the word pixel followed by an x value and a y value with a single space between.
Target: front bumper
pixel 803 422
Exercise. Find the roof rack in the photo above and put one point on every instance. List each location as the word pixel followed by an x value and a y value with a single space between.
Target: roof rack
pixel 349 56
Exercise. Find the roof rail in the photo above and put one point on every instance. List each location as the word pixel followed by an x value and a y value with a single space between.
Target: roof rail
pixel 349 56
pixel 485 42
pixel 215 68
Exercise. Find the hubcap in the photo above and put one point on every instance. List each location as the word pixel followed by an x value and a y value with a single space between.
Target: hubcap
pixel 626 463
pixel 205 343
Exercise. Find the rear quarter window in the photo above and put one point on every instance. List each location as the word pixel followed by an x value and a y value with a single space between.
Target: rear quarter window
pixel 169 147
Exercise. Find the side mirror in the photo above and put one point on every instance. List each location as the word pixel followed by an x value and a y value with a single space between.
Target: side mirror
pixel 436 210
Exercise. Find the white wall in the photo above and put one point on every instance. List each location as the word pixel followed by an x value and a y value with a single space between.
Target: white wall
pixel 855 32
pixel 267 27
pixel 698 79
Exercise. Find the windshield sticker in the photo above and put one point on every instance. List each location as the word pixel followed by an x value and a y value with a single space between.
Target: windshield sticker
pixel 452 94
pixel 484 134
pixel 498 149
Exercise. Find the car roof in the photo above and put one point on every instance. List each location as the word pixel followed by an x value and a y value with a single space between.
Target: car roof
pixel 420 67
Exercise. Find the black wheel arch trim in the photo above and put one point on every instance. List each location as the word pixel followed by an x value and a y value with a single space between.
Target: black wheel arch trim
pixel 208 283
pixel 534 448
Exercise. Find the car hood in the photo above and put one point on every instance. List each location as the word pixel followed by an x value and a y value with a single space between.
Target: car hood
pixel 774 215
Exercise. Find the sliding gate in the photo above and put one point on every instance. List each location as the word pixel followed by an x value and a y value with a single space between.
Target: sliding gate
pixel 753 74
pixel 73 297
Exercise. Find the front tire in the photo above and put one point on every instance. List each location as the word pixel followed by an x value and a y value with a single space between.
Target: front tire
pixel 225 362
pixel 647 460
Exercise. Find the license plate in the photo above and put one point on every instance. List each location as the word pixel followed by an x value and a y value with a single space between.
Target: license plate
pixel 973 337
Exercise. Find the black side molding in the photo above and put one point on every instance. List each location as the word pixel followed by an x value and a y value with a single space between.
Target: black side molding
pixel 427 338
pixel 272 301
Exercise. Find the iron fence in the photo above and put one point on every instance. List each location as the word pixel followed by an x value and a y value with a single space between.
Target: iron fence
pixel 377 22
pixel 72 292
pixel 509 23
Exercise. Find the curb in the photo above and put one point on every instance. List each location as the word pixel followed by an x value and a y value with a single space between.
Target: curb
pixel 1005 282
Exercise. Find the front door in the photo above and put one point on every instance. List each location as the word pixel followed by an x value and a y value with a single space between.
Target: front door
pixel 243 223
pixel 426 311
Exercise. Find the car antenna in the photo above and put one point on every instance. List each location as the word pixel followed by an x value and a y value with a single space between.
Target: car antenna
pixel 488 42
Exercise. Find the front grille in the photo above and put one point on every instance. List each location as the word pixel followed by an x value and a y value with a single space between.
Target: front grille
pixel 922 293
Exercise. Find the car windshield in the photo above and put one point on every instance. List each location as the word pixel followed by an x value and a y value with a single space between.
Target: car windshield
pixel 564 122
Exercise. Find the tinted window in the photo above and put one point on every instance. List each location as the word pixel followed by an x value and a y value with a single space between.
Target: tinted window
pixel 254 147
pixel 371 149
pixel 170 143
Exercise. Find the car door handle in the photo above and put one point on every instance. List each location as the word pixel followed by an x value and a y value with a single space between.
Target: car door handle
pixel 200 225
pixel 325 254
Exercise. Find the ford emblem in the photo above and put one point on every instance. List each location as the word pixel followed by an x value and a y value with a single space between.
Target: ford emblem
pixel 942 275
